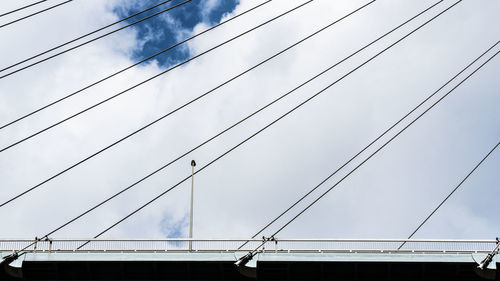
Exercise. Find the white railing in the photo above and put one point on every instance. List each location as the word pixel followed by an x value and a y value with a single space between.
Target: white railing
pixel 235 245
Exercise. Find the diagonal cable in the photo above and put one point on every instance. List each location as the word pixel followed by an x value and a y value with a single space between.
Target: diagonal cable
pixel 370 144
pixel 375 152
pixel 153 77
pixel 131 66
pixel 220 133
pixel 250 254
pixel 267 126
pixel 450 194
pixel 90 41
pixel 144 127
pixel 22 8
pixel 34 14
pixel 83 36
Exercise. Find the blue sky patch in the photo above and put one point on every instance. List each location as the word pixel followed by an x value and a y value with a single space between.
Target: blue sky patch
pixel 174 228
pixel 164 30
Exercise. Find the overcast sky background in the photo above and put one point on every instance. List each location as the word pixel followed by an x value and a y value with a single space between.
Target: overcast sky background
pixel 386 198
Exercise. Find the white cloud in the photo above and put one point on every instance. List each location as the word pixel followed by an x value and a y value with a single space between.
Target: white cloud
pixel 387 197
pixel 206 8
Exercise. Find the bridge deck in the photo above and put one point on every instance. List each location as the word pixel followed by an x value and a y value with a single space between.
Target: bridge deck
pixel 284 259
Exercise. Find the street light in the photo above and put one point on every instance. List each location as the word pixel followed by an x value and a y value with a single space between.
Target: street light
pixel 193 164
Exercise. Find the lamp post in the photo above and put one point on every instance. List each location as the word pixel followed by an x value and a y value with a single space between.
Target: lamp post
pixel 193 164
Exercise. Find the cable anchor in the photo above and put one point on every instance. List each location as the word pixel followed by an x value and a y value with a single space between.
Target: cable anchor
pixel 8 259
pixel 484 264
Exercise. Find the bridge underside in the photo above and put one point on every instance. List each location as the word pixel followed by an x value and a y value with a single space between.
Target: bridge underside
pixel 220 266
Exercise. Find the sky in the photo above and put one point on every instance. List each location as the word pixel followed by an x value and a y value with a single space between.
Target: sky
pixel 171 27
pixel 387 197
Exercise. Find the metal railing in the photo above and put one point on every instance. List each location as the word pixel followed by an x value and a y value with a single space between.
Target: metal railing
pixel 234 245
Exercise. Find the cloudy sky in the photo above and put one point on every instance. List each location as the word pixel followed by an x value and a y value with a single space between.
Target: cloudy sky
pixel 387 197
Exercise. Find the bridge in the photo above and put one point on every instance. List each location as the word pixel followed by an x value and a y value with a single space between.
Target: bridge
pixel 395 89
pixel 274 259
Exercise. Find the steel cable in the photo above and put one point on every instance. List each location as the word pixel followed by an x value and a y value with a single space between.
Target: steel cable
pixel 90 41
pixel 376 151
pixel 22 8
pixel 129 67
pixel 249 256
pixel 34 14
pixel 153 77
pixel 83 36
pixel 371 143
pixel 87 158
pixel 213 137
pixel 267 126
pixel 450 194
